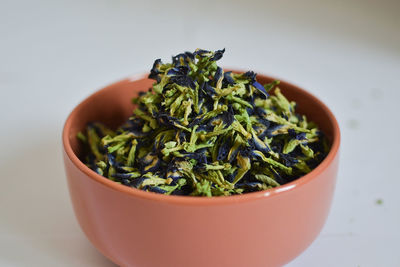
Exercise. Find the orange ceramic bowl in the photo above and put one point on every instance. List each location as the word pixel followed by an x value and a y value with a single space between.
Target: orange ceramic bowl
pixel 143 229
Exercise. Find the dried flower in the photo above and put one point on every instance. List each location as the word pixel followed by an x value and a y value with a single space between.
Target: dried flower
pixel 204 132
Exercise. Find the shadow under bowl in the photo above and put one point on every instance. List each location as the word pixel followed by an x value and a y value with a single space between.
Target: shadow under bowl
pixel 137 228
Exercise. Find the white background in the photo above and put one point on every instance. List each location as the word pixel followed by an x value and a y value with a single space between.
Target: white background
pixel 55 53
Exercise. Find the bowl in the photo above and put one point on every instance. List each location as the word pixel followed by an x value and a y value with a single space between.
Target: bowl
pixel 136 228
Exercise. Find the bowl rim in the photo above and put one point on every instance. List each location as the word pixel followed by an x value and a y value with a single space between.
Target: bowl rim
pixel 199 200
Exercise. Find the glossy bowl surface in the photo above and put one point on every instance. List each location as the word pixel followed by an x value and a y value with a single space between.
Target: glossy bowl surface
pixel 143 229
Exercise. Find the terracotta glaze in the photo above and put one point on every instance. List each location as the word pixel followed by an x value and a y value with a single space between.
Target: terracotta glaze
pixel 143 229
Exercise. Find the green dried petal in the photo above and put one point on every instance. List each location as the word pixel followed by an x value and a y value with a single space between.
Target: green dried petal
pixel 153 122
pixel 131 155
pixel 244 166
pixel 267 180
pixel 203 188
pixel 273 162
pixel 94 143
pixel 81 137
pixel 291 145
pixel 302 166
pixel 152 180
pixel 307 151
pixel 239 101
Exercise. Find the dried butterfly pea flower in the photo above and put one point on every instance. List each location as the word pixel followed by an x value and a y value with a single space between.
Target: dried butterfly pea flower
pixel 204 132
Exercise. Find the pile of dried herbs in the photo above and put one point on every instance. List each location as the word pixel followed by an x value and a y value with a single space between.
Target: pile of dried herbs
pixel 201 131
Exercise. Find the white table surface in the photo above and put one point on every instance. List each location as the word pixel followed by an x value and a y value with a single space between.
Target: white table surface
pixel 55 53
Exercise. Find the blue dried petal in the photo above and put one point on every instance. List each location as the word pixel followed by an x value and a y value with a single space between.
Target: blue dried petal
pixel 189 55
pixel 149 163
pixel 165 119
pixel 182 70
pixel 228 80
pixel 120 168
pixel 156 147
pixel 199 155
pixel 234 154
pixel 182 136
pixel 260 88
pixel 173 71
pixel 180 77
pixel 248 184
pixel 126 182
pixel 314 162
pixel 273 129
pixel 202 93
pixel 292 133
pixel 209 90
pixel 288 160
pixel 122 175
pixel 218 55
pixel 176 60
pixel 155 70
pixel 316 147
pixel 205 96
pixel 133 123
pixel 260 111
pixel 223 150
pixel 183 57
pixel 175 175
pixel 228 116
pixel 255 156
pixel 202 53
pixel 217 76
pixel 277 147
pixel 136 132
pixel 207 105
pixel 261 131
pixel 96 169
pixel 231 176
pixel 251 75
pixel 112 161
pixel 147 159
pixel 205 128
pixel 260 145
pixel 201 162
pixel 156 189
pixel 194 122
pixel 171 166
pixel 298 136
pixel 246 152
pixel 296 153
pixel 184 190
pixel 250 111
pixel 264 122
pixel 137 181
pixel 277 177
pixel 200 104
pixel 250 99
pixel 90 160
